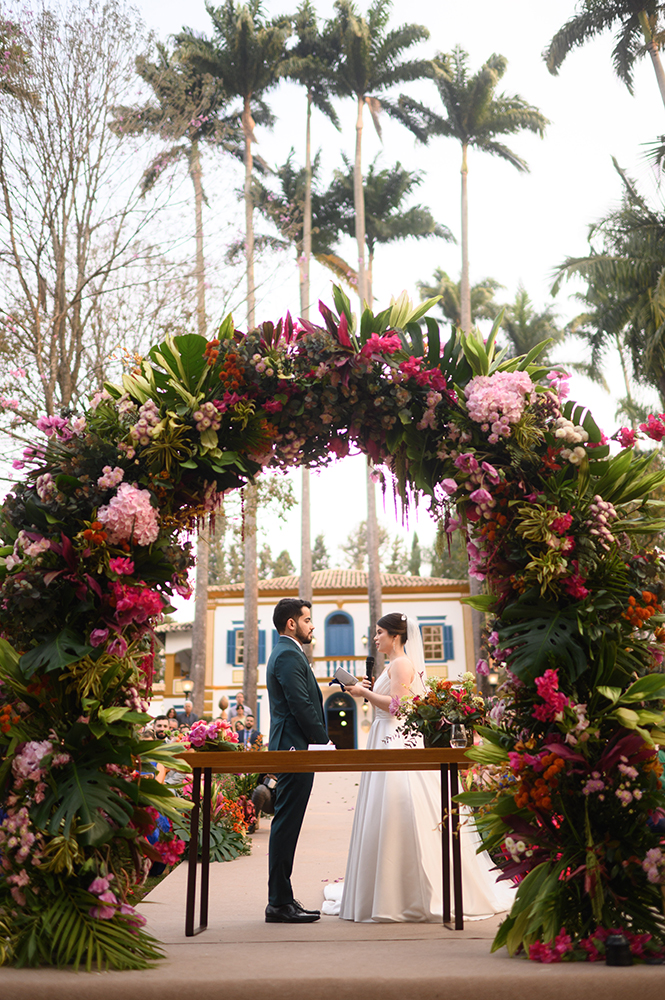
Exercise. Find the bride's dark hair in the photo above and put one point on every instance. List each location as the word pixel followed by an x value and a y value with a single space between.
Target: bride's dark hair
pixel 394 624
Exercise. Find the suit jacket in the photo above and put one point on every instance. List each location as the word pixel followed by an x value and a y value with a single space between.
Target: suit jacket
pixel 296 705
pixel 248 736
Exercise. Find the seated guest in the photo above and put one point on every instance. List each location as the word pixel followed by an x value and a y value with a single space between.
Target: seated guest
pixel 187 718
pixel 248 735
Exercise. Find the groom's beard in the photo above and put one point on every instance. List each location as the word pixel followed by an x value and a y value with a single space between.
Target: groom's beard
pixel 304 637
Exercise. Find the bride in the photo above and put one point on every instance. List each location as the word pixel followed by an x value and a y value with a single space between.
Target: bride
pixel 393 871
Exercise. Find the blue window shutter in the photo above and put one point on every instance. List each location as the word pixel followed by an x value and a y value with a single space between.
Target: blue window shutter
pixel 448 646
pixel 262 646
pixel 231 646
pixel 275 637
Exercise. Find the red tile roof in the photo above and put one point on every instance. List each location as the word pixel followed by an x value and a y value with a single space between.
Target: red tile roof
pixel 347 579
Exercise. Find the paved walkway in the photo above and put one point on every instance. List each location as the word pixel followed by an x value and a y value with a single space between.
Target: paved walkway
pixel 240 955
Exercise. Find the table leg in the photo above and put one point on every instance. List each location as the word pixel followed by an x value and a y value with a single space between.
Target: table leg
pixel 205 848
pixel 457 851
pixel 193 853
pixel 445 843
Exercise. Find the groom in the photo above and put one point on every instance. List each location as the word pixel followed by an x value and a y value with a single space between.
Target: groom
pixel 296 720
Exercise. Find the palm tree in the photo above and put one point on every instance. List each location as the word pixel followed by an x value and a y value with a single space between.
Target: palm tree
pixel 639 30
pixel 475 116
pixel 483 305
pixel 525 328
pixel 370 63
pixel 185 111
pixel 244 57
pixel 626 284
pixel 386 221
pixel 310 63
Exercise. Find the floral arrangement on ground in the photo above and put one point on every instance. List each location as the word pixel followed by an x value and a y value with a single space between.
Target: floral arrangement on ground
pixel 95 544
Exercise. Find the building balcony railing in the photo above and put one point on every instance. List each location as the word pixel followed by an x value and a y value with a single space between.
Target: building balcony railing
pixel 325 666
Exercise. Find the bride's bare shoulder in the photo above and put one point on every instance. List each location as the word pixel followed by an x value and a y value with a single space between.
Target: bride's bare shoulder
pixel 401 668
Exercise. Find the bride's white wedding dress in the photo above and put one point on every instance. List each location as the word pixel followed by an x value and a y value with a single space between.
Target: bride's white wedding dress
pixel 393 871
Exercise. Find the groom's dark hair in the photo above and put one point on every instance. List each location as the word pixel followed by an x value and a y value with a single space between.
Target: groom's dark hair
pixel 288 607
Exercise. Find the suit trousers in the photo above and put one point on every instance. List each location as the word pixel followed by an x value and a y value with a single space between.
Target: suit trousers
pixel 291 797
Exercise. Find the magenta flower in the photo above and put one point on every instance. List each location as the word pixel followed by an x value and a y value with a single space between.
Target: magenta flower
pixel 98 636
pixel 121 565
pixel 626 437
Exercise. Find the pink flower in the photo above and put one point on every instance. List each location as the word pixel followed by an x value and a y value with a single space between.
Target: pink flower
pixel 654 427
pixel 483 668
pixel 117 647
pixel 121 565
pixel 562 523
pixel 130 517
pixel 98 636
pixel 467 463
pixel 626 437
pixel 135 604
pixel 111 477
pixel 273 406
pixel 574 587
pixel 381 345
pixel 448 486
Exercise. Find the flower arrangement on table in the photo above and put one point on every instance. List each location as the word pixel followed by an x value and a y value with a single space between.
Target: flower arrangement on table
pixel 443 704
pixel 215 735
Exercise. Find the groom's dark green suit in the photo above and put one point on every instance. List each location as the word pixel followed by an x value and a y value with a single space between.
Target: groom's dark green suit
pixel 296 720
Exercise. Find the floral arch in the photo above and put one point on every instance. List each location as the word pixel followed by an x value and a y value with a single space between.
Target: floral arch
pixel 557 527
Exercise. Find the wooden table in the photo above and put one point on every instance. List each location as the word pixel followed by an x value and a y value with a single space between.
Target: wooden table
pixel 288 761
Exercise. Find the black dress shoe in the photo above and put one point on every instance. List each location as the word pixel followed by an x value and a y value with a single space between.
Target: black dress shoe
pixel 290 914
pixel 298 904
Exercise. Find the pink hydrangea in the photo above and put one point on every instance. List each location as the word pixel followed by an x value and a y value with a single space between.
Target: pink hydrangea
pixel 130 516
pixel 498 400
pixel 26 765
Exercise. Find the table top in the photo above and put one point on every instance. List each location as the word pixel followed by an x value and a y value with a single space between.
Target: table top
pixel 297 761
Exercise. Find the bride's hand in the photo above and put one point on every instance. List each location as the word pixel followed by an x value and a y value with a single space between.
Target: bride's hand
pixel 355 690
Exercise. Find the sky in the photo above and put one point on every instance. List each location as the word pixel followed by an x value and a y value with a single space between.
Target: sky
pixel 521 225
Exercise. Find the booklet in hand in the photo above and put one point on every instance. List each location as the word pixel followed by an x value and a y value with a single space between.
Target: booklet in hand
pixel 342 676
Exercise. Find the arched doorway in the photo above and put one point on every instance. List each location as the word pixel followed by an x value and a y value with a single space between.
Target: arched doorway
pixel 341 720
pixel 339 634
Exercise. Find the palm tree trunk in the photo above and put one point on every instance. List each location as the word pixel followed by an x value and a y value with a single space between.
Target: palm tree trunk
pixel 465 291
pixel 654 52
pixel 307 221
pixel 374 570
pixel 251 622
pixel 199 629
pixel 196 173
pixel 370 280
pixel 359 204
pixel 200 626
pixel 248 129
pixel 305 583
pixel 626 377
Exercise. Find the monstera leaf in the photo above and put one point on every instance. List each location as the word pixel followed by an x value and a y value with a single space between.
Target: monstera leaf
pixel 57 652
pixel 539 642
pixel 89 798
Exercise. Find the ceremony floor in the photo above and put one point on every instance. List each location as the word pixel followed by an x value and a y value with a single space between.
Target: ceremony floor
pixel 240 956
